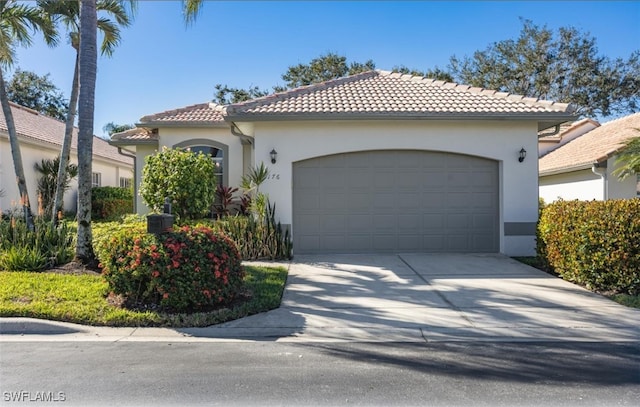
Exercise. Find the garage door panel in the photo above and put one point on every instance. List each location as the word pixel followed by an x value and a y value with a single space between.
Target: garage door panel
pixel 458 221
pixel 481 200
pixel 395 201
pixel 384 224
pixel 383 200
pixel 458 200
pixel 410 222
pixel 433 223
pixel 360 223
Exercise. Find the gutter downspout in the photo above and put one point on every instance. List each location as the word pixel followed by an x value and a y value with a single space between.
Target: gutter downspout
pixel 601 170
pixel 135 172
pixel 555 131
pixel 235 130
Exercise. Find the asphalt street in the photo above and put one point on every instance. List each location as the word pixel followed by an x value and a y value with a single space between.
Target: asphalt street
pixel 266 373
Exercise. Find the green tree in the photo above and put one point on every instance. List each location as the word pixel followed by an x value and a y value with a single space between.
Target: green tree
pixel 48 181
pixel 186 178
pixel 67 13
pixel 563 66
pixel 436 73
pixel 17 20
pixel 320 69
pixel 38 93
pixel 112 128
pixel 323 68
pixel 629 158
pixel 225 95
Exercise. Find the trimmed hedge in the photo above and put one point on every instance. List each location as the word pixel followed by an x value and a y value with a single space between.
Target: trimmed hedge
pixel 596 244
pixel 110 203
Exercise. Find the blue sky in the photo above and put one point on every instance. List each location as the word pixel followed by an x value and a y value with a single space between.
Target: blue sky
pixel 161 64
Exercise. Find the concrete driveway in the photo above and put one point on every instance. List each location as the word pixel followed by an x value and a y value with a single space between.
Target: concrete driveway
pixel 391 298
pixel 418 297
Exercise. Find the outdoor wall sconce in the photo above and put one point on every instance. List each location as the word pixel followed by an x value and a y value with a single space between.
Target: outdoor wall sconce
pixel 523 154
pixel 274 155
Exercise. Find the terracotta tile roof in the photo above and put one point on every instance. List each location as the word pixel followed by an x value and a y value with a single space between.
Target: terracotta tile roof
pixel 382 94
pixel 200 114
pixel 595 146
pixel 138 135
pixel 38 127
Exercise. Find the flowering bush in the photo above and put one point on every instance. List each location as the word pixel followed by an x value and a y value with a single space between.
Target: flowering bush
pixel 189 269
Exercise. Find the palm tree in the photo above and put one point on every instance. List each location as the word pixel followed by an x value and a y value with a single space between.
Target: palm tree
pixel 629 158
pixel 68 13
pixel 48 169
pixel 190 9
pixel 87 60
pixel 88 66
pixel 16 21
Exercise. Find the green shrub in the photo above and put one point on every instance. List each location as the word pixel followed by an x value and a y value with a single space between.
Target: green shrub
pixel 596 244
pixel 189 269
pixel 22 258
pixel 110 203
pixel 48 246
pixel 257 237
pixel 186 178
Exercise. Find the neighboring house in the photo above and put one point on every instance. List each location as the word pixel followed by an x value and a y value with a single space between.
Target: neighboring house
pixel 40 138
pixel 582 168
pixel 566 133
pixel 378 162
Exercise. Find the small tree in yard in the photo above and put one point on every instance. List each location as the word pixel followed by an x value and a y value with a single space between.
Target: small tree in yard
pixel 186 178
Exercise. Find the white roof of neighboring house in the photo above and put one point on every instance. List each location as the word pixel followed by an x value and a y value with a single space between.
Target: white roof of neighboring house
pixel 592 147
pixel 41 128
pixel 386 95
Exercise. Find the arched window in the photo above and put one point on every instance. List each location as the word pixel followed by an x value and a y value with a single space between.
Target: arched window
pixel 218 152
pixel 217 155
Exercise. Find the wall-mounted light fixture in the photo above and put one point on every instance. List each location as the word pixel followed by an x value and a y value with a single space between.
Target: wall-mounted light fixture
pixel 274 155
pixel 523 154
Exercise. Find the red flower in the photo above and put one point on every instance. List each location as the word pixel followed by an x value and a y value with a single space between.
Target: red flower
pixel 165 295
pixel 155 274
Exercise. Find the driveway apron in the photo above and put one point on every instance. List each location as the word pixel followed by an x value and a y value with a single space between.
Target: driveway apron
pixel 418 297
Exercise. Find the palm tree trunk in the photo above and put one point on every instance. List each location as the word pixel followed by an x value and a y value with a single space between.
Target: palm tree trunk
pixel 66 144
pixel 17 156
pixel 88 61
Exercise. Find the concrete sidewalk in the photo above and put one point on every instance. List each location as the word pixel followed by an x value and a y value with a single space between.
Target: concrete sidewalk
pixel 391 298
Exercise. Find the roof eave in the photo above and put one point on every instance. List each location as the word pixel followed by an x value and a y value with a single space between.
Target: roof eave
pixel 562 170
pixel 179 123
pixel 120 143
pixel 546 119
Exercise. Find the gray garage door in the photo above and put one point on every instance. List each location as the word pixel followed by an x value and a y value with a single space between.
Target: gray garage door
pixel 395 201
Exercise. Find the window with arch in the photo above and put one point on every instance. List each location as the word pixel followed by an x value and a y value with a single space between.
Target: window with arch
pixel 217 155
pixel 218 152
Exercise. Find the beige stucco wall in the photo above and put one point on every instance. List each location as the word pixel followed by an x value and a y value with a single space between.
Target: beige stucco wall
pixel 500 141
pixel 33 152
pixel 586 186
pixel 583 185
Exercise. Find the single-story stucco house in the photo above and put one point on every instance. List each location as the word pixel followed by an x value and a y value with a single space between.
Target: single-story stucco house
pixel 583 167
pixel 378 162
pixel 40 137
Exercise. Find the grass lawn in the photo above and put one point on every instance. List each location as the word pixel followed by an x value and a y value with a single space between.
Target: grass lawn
pixel 81 299
pixel 632 301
